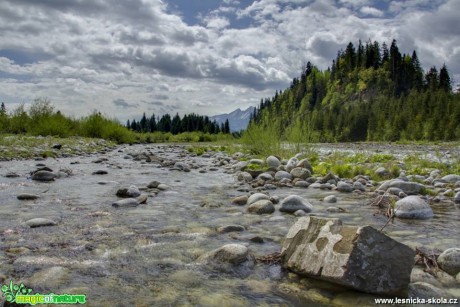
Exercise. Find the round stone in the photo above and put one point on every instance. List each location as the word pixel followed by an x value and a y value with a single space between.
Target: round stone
pixel 413 207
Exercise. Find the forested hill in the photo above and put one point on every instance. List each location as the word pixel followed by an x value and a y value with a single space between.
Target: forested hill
pixel 370 92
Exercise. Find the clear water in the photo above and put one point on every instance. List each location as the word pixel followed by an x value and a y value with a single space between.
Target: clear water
pixel 147 256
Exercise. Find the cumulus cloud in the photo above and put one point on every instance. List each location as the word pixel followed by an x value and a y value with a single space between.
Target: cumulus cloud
pixel 105 55
pixel 372 11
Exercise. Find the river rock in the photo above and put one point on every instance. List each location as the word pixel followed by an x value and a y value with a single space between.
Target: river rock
pixel 26 196
pixel 305 164
pixel 293 203
pixel 299 172
pixel 263 206
pixel 359 257
pixel 11 175
pixel 265 176
pixel 100 172
pixel 291 164
pixel 301 184
pixel 412 207
pixel 273 162
pixel 163 187
pixel 282 174
pixel 451 178
pixel 230 253
pixel 407 187
pixel 344 187
pixel 244 176
pixel 449 261
pixel 40 222
pixel 330 199
pixel 256 197
pixel 240 165
pixel 182 166
pixel 423 290
pixel 130 192
pixel 457 198
pixel 230 228
pixel 44 176
pixel 381 172
pixel 126 203
pixel 359 186
pixel 240 200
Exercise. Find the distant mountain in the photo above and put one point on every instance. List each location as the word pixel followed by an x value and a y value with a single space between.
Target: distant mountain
pixel 237 119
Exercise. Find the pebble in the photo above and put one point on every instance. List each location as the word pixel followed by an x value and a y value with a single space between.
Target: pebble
pixel 26 196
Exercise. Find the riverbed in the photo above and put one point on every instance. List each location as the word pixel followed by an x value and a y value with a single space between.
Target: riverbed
pixel 147 255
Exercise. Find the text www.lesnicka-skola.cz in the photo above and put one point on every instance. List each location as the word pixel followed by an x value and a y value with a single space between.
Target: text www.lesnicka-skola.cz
pixel 416 300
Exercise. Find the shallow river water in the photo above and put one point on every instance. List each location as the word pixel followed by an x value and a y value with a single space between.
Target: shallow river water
pixel 147 255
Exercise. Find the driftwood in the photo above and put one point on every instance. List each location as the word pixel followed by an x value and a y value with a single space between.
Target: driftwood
pixel 429 258
pixel 272 258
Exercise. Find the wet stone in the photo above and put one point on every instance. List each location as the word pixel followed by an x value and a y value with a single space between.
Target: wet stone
pixel 44 176
pixel 40 222
pixel 126 203
pixel 230 228
pixel 26 196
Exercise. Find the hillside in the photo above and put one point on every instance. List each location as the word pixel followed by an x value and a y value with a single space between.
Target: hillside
pixel 369 93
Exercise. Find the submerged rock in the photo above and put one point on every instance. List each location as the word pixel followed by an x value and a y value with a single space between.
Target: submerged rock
pixel 256 197
pixel 230 253
pixel 26 196
pixel 358 257
pixel 262 206
pixel 127 202
pixel 412 207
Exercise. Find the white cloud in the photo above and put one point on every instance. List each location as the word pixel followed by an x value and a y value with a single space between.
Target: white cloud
pixel 372 11
pixel 129 57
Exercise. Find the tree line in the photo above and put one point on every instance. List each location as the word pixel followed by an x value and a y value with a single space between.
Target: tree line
pixel 176 124
pixel 370 92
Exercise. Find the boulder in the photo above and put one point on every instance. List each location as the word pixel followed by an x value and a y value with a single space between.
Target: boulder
pixel 299 172
pixel 449 261
pixel 293 203
pixel 412 207
pixel 273 162
pixel 359 257
pixel 263 206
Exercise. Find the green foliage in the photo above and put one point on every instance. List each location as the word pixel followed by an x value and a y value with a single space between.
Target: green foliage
pixel 97 126
pixel 371 93
pixel 261 140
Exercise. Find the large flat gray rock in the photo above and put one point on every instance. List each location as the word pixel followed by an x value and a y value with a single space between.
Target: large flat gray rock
pixel 358 257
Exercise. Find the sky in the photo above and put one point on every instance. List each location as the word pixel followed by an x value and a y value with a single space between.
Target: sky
pixel 126 57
